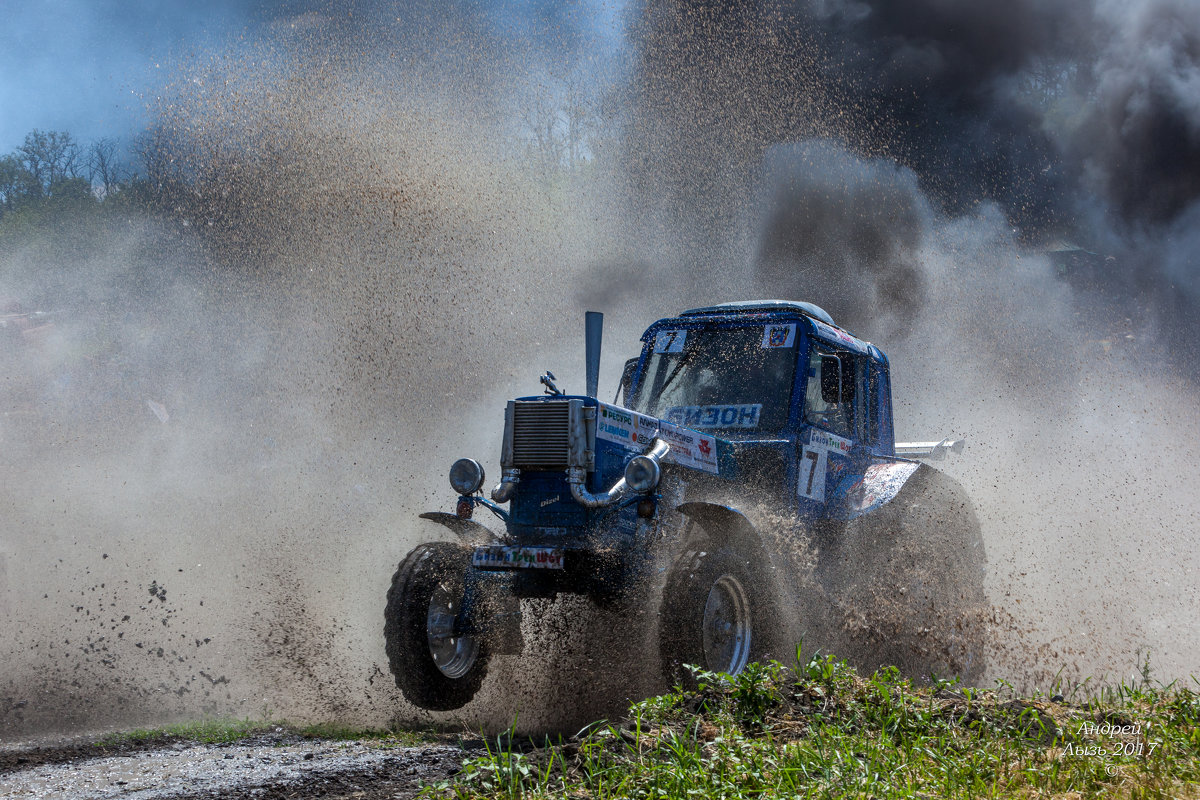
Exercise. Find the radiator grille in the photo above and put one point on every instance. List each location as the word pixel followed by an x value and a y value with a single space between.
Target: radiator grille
pixel 541 434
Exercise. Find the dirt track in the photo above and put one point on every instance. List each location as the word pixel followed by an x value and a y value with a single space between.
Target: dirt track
pixel 265 767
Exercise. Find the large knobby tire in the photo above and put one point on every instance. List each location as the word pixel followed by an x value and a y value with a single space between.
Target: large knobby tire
pixel 939 556
pixel 910 580
pixel 715 614
pixel 433 668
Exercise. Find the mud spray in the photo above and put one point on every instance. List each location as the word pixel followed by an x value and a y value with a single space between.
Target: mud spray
pixel 375 226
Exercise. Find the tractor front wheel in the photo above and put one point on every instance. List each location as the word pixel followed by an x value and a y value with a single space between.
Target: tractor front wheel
pixel 434 668
pixel 713 614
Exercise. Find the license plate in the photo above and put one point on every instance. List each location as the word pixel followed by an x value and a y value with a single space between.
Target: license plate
pixel 499 557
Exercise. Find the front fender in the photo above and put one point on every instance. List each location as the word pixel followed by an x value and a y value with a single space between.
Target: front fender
pixel 469 532
pixel 724 525
pixel 859 494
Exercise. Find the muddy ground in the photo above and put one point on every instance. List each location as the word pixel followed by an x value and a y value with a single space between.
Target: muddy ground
pixel 270 766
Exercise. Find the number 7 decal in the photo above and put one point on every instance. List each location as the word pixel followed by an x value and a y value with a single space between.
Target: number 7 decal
pixel 670 341
pixel 813 464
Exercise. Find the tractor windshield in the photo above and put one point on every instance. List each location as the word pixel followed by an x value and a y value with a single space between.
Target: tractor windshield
pixel 726 378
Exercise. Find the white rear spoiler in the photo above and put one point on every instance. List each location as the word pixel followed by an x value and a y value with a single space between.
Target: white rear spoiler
pixel 934 451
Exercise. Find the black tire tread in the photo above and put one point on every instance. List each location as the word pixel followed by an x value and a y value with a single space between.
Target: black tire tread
pixel 684 595
pixel 405 637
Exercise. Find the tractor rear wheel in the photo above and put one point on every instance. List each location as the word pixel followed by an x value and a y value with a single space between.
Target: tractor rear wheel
pixel 909 579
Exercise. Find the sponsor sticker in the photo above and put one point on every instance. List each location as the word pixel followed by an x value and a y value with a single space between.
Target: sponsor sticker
pixel 829 441
pixel 690 448
pixel 782 335
pixel 732 416
pixel 814 464
pixel 500 557
pixel 669 341
pixel 839 335
pixel 620 425
pixel 615 424
pixel 647 430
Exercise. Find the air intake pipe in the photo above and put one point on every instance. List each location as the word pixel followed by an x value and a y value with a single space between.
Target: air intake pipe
pixel 577 478
pixel 503 491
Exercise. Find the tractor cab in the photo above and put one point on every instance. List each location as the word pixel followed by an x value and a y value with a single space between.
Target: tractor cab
pixel 796 395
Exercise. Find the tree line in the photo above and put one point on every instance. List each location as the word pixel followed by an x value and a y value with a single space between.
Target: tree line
pixel 59 196
pixel 64 204
pixel 50 167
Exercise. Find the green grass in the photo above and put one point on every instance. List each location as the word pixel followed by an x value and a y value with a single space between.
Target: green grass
pixel 215 731
pixel 392 737
pixel 822 730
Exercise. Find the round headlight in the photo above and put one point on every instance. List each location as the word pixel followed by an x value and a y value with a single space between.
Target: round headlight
pixel 642 473
pixel 466 476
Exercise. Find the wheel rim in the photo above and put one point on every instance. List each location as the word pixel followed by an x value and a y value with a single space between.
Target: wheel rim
pixel 727 626
pixel 452 655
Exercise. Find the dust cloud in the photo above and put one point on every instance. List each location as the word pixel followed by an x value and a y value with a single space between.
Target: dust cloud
pixel 370 237
pixel 217 456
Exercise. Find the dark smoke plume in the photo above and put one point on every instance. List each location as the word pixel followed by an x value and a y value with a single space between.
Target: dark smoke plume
pixel 927 84
pixel 1139 141
pixel 847 229
pixel 1079 119
pixel 931 84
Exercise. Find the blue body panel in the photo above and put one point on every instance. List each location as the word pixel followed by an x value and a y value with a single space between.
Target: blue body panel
pixel 544 500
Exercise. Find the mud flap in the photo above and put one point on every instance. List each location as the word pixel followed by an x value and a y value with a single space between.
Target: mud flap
pixel 469 532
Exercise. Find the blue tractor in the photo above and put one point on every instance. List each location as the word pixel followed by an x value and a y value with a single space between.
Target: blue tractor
pixel 733 417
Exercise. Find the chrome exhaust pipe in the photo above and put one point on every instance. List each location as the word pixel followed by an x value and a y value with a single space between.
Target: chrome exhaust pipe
pixel 502 492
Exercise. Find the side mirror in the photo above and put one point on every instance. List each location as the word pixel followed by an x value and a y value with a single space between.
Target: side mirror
pixel 837 380
pixel 831 379
pixel 626 387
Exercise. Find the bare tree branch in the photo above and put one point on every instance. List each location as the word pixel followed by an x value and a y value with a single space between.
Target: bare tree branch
pixel 105 172
pixel 49 157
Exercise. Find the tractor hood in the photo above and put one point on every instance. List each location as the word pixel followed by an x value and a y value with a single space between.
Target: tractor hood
pixel 564 459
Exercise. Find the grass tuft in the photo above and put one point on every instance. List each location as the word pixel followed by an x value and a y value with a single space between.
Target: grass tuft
pixel 213 731
pixel 823 730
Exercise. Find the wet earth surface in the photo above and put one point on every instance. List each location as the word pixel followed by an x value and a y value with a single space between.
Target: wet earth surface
pixel 269 766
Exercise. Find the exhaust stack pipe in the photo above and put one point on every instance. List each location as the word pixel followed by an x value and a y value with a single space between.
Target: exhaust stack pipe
pixel 593 333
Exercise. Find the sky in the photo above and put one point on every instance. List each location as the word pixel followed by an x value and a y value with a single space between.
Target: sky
pixel 91 67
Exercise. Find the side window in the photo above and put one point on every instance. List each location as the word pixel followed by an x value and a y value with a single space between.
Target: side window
pixel 873 408
pixel 830 390
pixel 864 399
